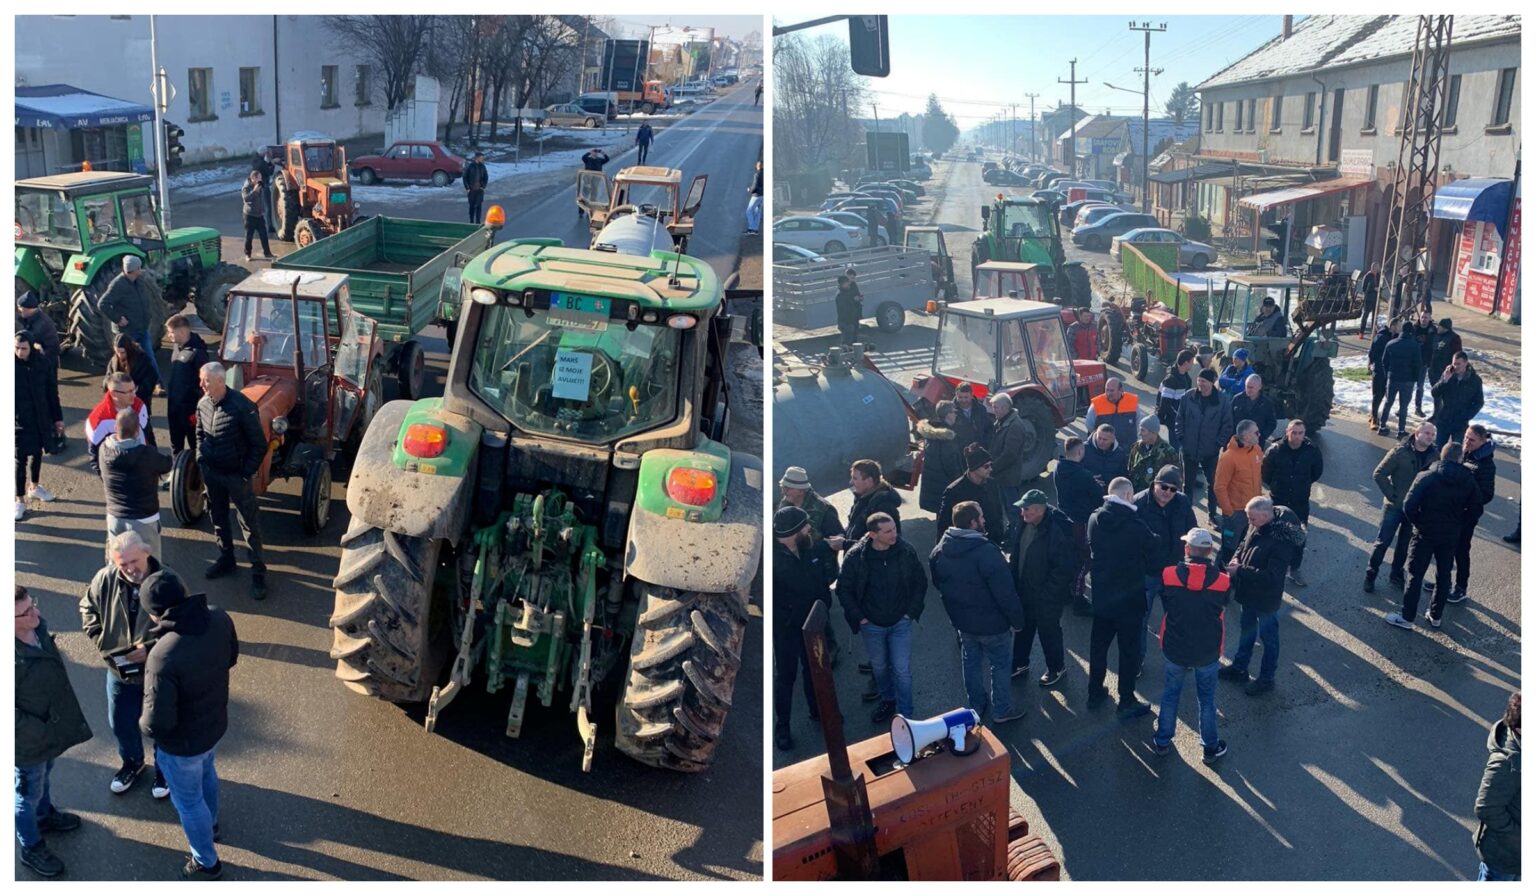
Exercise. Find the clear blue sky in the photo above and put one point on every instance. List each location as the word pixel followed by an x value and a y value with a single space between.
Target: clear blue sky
pixel 992 61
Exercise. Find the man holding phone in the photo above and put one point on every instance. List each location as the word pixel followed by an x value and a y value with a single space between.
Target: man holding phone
pixel 115 620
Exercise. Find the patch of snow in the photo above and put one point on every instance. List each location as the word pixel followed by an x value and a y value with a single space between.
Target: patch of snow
pixel 1501 407
pixel 206 183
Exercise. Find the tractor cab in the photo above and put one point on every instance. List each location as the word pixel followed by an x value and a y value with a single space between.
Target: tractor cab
pixel 313 194
pixel 1007 279
pixel 646 191
pixel 1027 230
pixel 86 211
pixel 931 240
pixel 1235 309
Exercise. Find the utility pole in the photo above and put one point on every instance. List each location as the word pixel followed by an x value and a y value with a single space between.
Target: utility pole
pixel 160 87
pixel 1013 126
pixel 876 109
pixel 1146 108
pixel 1072 119
pixel 1033 130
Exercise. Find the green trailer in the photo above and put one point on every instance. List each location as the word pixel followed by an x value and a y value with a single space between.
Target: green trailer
pixel 404 274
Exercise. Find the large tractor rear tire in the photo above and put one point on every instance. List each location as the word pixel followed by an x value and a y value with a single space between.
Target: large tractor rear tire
pixel 1314 395
pixel 212 298
pixel 390 623
pixel 188 499
pixel 90 333
pixel 1079 288
pixel 286 206
pixel 682 669
pixel 1111 338
pixel 1039 436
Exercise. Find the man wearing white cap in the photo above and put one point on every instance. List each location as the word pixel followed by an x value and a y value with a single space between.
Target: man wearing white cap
pixel 1195 594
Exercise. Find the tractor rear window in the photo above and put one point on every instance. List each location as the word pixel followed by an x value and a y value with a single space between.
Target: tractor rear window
pixel 268 323
pixel 46 219
pixel 1030 221
pixel 578 375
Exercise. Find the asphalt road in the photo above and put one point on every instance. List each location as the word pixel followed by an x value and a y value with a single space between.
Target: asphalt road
pixel 319 782
pixel 1363 764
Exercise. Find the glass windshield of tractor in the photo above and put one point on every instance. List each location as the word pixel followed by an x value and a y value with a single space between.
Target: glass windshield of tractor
pixel 575 373
pixel 1053 366
pixel 646 197
pixel 998 284
pixel 139 213
pixel 1241 304
pixel 46 219
pixel 320 159
pixel 924 239
pixel 268 323
pixel 1031 221
pixel 101 219
pixel 966 348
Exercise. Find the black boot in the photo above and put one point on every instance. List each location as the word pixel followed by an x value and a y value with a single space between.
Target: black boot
pixel 781 738
pixel 220 567
pixel 259 586
pixel 1370 581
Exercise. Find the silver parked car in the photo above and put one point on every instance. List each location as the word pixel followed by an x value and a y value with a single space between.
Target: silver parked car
pixel 818 234
pixel 1192 254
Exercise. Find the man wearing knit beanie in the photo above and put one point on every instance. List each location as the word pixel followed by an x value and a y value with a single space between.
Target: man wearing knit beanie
pixel 1150 453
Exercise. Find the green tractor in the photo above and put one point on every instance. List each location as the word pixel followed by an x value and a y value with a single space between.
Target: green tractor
pixel 72 232
pixel 1297 366
pixel 1027 230
pixel 566 507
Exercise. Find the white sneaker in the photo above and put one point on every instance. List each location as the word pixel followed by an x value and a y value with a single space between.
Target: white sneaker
pixel 21 509
pixel 40 493
pixel 1398 620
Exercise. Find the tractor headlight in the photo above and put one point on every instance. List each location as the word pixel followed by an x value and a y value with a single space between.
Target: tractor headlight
pixel 279 425
pixel 483 296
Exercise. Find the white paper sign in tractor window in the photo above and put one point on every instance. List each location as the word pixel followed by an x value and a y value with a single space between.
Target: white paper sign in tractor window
pixel 573 375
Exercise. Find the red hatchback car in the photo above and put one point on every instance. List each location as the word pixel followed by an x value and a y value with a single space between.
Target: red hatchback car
pixel 409 160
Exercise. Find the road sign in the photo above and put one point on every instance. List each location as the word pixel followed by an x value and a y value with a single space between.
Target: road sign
pixel 888 150
pixel 170 91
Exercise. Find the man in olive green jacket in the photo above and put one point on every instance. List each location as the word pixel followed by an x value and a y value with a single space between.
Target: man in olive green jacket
pixel 48 722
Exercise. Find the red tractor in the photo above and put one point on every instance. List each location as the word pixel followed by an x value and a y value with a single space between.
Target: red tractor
pixel 313 198
pixel 1151 328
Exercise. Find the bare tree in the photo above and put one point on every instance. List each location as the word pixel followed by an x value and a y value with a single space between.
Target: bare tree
pixel 816 96
pixel 452 55
pixel 550 51
pixel 394 45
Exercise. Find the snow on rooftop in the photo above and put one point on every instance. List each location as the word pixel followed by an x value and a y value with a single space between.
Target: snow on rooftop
pixel 1319 43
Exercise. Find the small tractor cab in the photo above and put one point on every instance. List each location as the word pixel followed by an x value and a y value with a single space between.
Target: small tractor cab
pixel 294 346
pixel 1007 280
pixel 72 233
pixel 1296 360
pixel 931 239
pixel 648 193
pixel 313 193
pixel 567 505
pixel 1027 230
pixel 1018 347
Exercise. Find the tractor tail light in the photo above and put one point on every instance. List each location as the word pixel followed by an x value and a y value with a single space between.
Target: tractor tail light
pixel 686 485
pixel 425 440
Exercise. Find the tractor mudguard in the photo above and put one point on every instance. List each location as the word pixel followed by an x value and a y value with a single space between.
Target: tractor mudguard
pixel 411 502
pixel 81 269
pixel 714 557
pixel 30 269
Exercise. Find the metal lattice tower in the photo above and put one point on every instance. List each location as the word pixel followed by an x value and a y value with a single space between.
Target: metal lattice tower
pixel 1418 160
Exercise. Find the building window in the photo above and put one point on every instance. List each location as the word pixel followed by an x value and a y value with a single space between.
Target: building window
pixel 1253 114
pixel 1504 99
pixel 1452 103
pixel 250 91
pixel 199 94
pixel 328 87
pixel 1274 113
pixel 1237 116
pixel 1210 117
pixel 1369 124
pixel 1220 114
pixel 1306 112
pixel 364 82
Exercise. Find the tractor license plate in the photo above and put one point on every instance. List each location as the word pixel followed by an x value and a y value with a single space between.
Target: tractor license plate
pixel 575 312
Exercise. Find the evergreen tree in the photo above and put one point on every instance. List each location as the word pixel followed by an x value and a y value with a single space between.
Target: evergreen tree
pixel 939 130
pixel 1182 104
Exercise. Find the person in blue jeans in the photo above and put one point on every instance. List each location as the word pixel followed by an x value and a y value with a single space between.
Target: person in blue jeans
pixel 1394 476
pixel 186 707
pixel 1195 593
pixel 1258 573
pixel 48 722
pixel 881 587
pixel 979 594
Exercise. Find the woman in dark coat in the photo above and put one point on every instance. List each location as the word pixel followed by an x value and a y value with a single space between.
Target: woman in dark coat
pixel 38 418
pixel 850 306
pixel 942 460
pixel 128 357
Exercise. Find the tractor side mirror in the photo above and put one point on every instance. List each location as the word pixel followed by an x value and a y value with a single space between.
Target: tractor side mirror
pixel 986 213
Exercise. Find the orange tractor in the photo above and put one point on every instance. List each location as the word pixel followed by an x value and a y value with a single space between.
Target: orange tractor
pixel 312 196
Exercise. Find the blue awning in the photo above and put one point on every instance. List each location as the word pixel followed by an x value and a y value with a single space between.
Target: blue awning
pixel 63 106
pixel 1475 199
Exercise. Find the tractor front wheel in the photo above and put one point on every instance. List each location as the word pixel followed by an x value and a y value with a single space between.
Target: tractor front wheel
pixel 682 670
pixel 1111 338
pixel 1140 361
pixel 411 369
pixel 1314 395
pixel 213 293
pixel 315 506
pixel 188 500
pixel 388 631
pixel 1039 435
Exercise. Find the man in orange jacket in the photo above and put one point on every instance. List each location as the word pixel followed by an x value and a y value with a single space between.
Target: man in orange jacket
pixel 1239 478
pixel 1118 408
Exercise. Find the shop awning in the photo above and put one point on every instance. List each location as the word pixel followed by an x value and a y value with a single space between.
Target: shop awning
pixel 1475 199
pixel 1204 171
pixel 1303 193
pixel 63 106
pixel 1120 159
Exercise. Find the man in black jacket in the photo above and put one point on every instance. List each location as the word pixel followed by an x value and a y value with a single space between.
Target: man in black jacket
pixel 1195 593
pixel 48 722
pixel 1258 571
pixel 1206 425
pixel 1167 511
pixel 476 178
pixel 594 159
pixel 1394 476
pixel 183 392
pixel 126 305
pixel 1477 456
pixel 975 485
pixel 186 707
pixel 1404 360
pixel 1175 385
pixel 1124 552
pixel 130 474
pixel 881 587
pixel 263 166
pixel 1078 495
pixel 1458 395
pixel 802 575
pixel 1438 504
pixel 983 603
pixel 1376 364
pixel 1291 466
pixel 871 494
pixel 1424 336
pixel 230 449
pixel 972 424
pixel 1045 563
pixel 1254 405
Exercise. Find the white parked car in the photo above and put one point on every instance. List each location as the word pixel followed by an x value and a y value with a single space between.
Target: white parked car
pixel 818 234
pixel 859 223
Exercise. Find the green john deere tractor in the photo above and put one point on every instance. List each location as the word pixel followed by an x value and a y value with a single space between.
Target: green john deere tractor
pixel 1026 229
pixel 72 232
pixel 566 508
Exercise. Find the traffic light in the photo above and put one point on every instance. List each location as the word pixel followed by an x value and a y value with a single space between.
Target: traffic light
pixel 869 47
pixel 173 147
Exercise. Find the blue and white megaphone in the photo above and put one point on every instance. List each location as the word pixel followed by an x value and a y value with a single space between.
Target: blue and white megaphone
pixel 909 737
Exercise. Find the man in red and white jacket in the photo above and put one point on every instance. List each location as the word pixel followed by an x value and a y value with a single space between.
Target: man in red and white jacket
pixel 102 421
